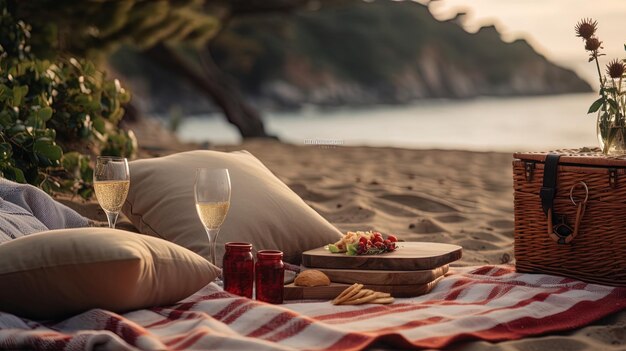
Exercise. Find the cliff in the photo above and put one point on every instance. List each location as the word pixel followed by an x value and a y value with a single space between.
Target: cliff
pixel 367 53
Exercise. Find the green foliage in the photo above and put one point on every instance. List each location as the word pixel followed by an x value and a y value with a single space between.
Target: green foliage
pixel 596 105
pixel 46 107
pixel 93 28
pixel 612 111
pixel 612 99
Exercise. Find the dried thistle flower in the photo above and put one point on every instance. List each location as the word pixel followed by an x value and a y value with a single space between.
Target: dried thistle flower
pixel 593 44
pixel 586 28
pixel 615 69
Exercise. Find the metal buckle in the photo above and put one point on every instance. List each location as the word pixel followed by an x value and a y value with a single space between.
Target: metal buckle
pixel 613 177
pixel 529 170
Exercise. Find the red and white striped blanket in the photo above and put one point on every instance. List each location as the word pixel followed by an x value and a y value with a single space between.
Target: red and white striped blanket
pixel 489 303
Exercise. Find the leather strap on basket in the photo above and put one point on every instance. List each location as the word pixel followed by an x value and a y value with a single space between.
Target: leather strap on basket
pixel 548 190
pixel 558 228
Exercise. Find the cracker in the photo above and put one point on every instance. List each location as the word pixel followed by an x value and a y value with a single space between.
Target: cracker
pixel 383 300
pixel 361 300
pixel 383 294
pixel 350 294
pixel 362 293
pixel 347 293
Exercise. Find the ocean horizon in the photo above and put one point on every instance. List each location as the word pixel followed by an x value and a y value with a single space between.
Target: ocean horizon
pixel 503 124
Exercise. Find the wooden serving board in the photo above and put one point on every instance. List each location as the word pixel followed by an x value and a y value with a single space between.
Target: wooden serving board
pixel 378 277
pixel 293 292
pixel 409 256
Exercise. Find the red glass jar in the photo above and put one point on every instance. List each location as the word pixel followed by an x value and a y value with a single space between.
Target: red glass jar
pixel 238 269
pixel 270 276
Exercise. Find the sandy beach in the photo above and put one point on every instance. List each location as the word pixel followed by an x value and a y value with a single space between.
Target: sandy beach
pixel 458 197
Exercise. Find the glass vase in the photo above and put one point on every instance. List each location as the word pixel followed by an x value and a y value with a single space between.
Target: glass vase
pixel 611 130
pixel 611 126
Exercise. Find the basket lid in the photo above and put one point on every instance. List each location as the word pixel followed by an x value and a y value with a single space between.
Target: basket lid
pixel 584 156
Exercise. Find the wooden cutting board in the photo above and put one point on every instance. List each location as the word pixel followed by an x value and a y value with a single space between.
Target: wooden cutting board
pixel 293 292
pixel 377 277
pixel 409 256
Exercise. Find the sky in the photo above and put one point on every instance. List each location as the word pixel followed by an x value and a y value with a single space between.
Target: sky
pixel 548 25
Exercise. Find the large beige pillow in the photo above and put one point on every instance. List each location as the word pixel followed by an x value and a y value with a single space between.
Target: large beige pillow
pixel 263 211
pixel 62 272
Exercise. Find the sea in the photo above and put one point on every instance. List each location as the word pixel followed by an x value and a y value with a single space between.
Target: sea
pixel 507 124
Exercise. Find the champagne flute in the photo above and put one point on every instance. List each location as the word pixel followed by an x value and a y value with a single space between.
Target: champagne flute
pixel 212 193
pixel 111 183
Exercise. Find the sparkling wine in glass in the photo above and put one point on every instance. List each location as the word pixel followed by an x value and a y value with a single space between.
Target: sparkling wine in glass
pixel 212 192
pixel 111 183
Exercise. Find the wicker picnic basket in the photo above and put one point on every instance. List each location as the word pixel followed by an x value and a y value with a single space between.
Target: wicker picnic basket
pixel 570 215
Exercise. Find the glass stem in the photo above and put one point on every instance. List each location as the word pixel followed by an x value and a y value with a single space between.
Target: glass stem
pixel 112 218
pixel 213 244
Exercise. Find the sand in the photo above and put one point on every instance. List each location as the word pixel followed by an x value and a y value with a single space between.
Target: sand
pixel 458 197
pixel 454 197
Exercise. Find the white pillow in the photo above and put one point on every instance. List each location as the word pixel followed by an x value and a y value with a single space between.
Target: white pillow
pixel 263 211
pixel 63 272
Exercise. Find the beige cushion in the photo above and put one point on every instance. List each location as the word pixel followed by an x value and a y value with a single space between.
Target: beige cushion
pixel 67 271
pixel 263 211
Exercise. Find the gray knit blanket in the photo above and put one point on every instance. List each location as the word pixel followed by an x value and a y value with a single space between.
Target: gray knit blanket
pixel 25 209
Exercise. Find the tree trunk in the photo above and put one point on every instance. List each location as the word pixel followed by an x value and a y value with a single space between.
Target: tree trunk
pixel 217 86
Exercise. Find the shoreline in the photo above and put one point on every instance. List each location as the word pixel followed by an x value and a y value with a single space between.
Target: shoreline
pixel 498 125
